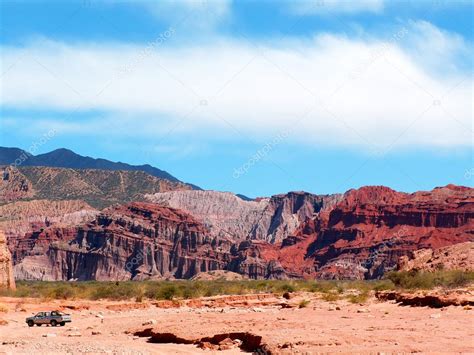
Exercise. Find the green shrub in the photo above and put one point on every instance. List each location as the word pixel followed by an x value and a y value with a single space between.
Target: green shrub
pixel 287 287
pixel 167 292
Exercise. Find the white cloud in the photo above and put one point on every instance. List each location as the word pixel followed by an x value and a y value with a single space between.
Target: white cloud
pixel 360 92
pixel 312 7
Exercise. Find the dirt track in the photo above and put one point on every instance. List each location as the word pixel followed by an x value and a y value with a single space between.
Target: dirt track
pixel 320 327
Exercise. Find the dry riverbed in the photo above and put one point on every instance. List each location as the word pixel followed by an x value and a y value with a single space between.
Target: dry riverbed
pixel 304 323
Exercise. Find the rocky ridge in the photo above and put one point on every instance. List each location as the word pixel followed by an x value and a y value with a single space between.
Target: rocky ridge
pixel 359 235
pixel 133 241
pixel 367 232
pixel 21 217
pixel 268 219
pixel 99 188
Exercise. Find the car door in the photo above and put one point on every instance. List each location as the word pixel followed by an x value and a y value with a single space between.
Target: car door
pixel 55 315
pixel 44 318
pixel 39 318
pixel 47 318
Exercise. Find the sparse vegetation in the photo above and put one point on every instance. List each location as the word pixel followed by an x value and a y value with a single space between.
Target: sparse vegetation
pixel 330 297
pixel 359 298
pixel 429 280
pixel 303 304
pixel 331 290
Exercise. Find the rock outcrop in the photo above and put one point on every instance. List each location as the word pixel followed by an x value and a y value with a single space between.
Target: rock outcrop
pixel 138 241
pixel 367 232
pixel 362 234
pixel 268 219
pixel 133 241
pixel 22 217
pixel 454 257
pixel 6 268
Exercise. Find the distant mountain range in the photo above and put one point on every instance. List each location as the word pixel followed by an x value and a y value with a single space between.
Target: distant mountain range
pixel 65 158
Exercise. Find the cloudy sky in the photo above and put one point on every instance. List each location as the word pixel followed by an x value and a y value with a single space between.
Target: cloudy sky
pixel 255 97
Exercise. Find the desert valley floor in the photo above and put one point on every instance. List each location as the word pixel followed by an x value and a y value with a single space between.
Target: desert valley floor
pixel 267 323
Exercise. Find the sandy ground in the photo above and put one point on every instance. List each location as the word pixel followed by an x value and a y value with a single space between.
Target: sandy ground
pixel 320 327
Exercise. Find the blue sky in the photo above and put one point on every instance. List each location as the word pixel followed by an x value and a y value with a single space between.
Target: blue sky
pixel 254 97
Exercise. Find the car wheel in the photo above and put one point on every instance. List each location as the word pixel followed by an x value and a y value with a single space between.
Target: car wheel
pixel 62 324
pixel 54 323
pixel 31 323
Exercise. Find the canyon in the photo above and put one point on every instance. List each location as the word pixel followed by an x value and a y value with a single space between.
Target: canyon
pixel 269 219
pixel 361 234
pixel 84 219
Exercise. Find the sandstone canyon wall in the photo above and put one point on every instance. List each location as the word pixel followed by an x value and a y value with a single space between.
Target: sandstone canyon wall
pixel 367 232
pixel 359 235
pixel 268 219
pixel 133 241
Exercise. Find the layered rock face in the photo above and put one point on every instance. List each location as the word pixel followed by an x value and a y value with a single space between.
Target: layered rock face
pixel 454 257
pixel 138 241
pixel 361 234
pixel 269 219
pixel 367 232
pixel 22 217
pixel 134 241
pixel 6 268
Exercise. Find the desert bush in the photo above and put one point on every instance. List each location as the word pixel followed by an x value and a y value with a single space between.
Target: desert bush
pixel 286 287
pixel 330 297
pixel 303 304
pixel 167 292
pixel 359 298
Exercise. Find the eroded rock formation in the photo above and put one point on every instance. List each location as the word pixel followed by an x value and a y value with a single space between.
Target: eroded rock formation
pixel 133 241
pixel 454 257
pixel 367 232
pixel 6 267
pixel 269 219
pixel 21 217
pixel 362 234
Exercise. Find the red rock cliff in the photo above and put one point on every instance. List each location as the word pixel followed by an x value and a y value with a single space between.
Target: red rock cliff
pixel 367 232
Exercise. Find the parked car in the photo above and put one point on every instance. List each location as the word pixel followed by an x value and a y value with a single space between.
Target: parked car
pixel 53 318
